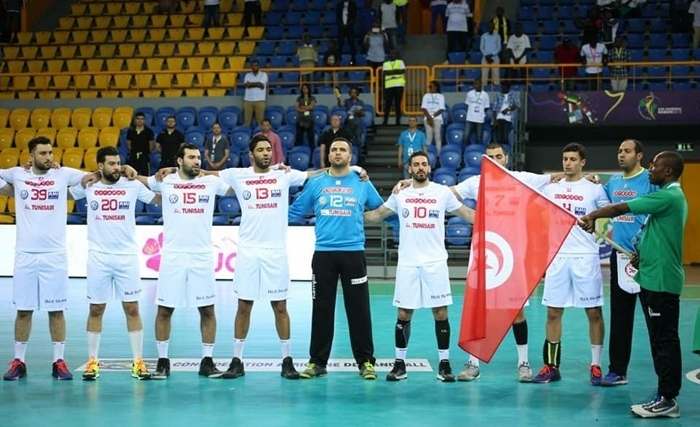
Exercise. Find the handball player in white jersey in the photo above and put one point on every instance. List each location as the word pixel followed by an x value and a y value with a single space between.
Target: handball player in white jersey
pixel 113 265
pixel 574 279
pixel 422 275
pixel 41 265
pixel 186 277
pixel 469 190
pixel 262 267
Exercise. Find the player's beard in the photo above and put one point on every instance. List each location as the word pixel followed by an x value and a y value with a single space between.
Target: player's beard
pixel 191 171
pixel 112 177
pixel 262 163
pixel 42 166
pixel 420 179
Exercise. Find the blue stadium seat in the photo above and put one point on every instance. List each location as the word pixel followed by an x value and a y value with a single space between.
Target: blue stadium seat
pixel 229 118
pixel 636 55
pixel 161 117
pixel 472 156
pixel 234 160
pixel 291 116
pixel 145 220
pixel 155 210
pixel 454 134
pixel 299 5
pixel 339 111
pixel 316 158
pixel 458 232
pixel 266 48
pixel 680 40
pixel 273 19
pixel 658 86
pixel 459 113
pixel 636 25
pixel 312 18
pixel 149 113
pixel 570 28
pixel 274 33
pixel 470 203
pixel 207 116
pixel 635 41
pixel 186 117
pixel 657 55
pixel 466 173
pixel 220 220
pixel 681 54
pixel 548 42
pixel 195 136
pixel 280 5
pixel 316 32
pixel 287 47
pixel 530 27
pixel 239 141
pixel 319 4
pixel 295 33
pixel 292 18
pixel 432 156
pixel 680 72
pixel 550 27
pixel 658 26
pixel 444 178
pixel 545 56
pixel 275 114
pixel 565 12
pixel 456 58
pixel 229 205
pixel 681 85
pixel 450 156
pixel 525 14
pixel 658 41
pixel 299 158
pixel 368 119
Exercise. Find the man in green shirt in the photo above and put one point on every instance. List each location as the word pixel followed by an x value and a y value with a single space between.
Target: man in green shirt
pixel 659 259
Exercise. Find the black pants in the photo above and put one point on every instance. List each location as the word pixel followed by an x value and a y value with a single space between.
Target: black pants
pixel 347 32
pixel 352 269
pixel 211 15
pixel 622 308
pixel 457 41
pixel 503 131
pixel 662 312
pixel 252 9
pixel 393 96
pixel 140 161
pixel 310 136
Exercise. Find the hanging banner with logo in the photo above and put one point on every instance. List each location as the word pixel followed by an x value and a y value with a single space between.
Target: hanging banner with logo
pixel 612 108
pixel 625 274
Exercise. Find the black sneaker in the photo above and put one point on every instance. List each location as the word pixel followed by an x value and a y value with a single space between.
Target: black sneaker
pixel 162 369
pixel 398 373
pixel 445 372
pixel 235 369
pixel 207 368
pixel 288 370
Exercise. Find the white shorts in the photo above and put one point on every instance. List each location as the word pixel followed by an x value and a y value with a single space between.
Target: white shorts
pixel 427 286
pixel 573 281
pixel 261 274
pixel 113 276
pixel 186 280
pixel 40 281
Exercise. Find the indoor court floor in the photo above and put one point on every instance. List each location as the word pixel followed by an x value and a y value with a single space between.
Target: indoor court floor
pixel 262 398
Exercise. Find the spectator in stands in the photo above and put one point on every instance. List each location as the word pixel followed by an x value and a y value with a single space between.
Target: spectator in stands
pixel 411 141
pixel 13 13
pixel 401 20
pixel 356 112
pixel 217 148
pixel 477 103
pixel 594 56
pixel 518 48
pixel 252 10
pixel 308 58
pixel 504 105
pixel 591 24
pixel 458 14
pixel 432 106
pixel 328 136
pixel 695 11
pixel 346 17
pixel 619 54
pixel 367 16
pixel 212 12
pixel 437 10
pixel 490 50
pixel 387 16
pixel 608 28
pixel 305 121
pixel 139 144
pixel 375 43
pixel 394 71
pixel 567 53
pixel 503 29
pixel 275 141
pixel 331 59
pixel 255 93
pixel 168 143
pixel 679 16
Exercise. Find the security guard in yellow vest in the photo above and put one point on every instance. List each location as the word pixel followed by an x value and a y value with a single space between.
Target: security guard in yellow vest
pixel 394 71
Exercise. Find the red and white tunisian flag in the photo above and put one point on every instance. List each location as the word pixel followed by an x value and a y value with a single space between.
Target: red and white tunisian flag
pixel 517 233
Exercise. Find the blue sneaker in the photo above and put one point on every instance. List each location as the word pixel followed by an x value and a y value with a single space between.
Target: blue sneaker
pixel 547 374
pixel 17 370
pixel 613 379
pixel 596 375
pixel 60 371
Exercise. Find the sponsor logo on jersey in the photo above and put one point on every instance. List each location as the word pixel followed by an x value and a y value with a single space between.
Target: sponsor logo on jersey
pixel 261 181
pixel 322 200
pixel 405 213
pixel 275 193
pixel 52 195
pixel 110 192
pixel 433 213
pixel 24 194
pixel 203 199
pixel 624 218
pixel 40 207
pixel 576 197
pixel 246 195
pixel 124 205
pixel 342 190
pixel 336 212
pixel 195 211
pixel 94 205
pixel 189 187
pixel 39 183
pixel 421 225
pixel 421 201
pixel 625 193
pixel 579 211
pixel 173 198
pixel 266 205
pixel 113 217
pixel 350 201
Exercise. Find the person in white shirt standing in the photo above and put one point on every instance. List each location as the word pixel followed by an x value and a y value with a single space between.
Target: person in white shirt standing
pixel 255 94
pixel 432 106
pixel 113 265
pixel 477 103
pixel 186 277
pixel 574 279
pixel 518 48
pixel 505 104
pixel 490 50
pixel 40 278
pixel 695 11
pixel 594 56
pixel 458 14
pixel 422 274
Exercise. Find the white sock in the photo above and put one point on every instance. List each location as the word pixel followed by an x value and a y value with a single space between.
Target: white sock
pixel 58 348
pixel 238 346
pixel 401 353
pixel 596 354
pixel 444 354
pixel 162 349
pixel 522 354
pixel 207 349
pixel 286 348
pixel 136 342
pixel 473 360
pixel 93 344
pixel 20 350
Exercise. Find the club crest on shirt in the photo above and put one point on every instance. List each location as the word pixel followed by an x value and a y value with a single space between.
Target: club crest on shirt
pixel 404 213
pixel 322 200
pixel 579 211
pixel 173 198
pixel 24 194
pixel 246 195
pixel 94 205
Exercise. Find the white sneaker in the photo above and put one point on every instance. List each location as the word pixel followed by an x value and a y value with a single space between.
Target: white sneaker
pixel 524 373
pixel 469 373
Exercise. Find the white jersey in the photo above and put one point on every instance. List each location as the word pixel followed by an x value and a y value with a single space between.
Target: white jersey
pixel 111 215
pixel 188 210
pixel 41 207
pixel 264 200
pixel 580 198
pixel 422 219
pixel 469 188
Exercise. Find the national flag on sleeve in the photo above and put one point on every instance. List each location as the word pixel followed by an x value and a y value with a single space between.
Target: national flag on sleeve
pixel 517 233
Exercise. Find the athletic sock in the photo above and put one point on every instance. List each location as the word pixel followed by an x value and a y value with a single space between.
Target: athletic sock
pixel 93 344
pixel 162 349
pixel 473 360
pixel 286 348
pixel 136 343
pixel 442 333
pixel 20 350
pixel 596 354
pixel 58 349
pixel 207 350
pixel 238 346
pixel 551 353
pixel 402 334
